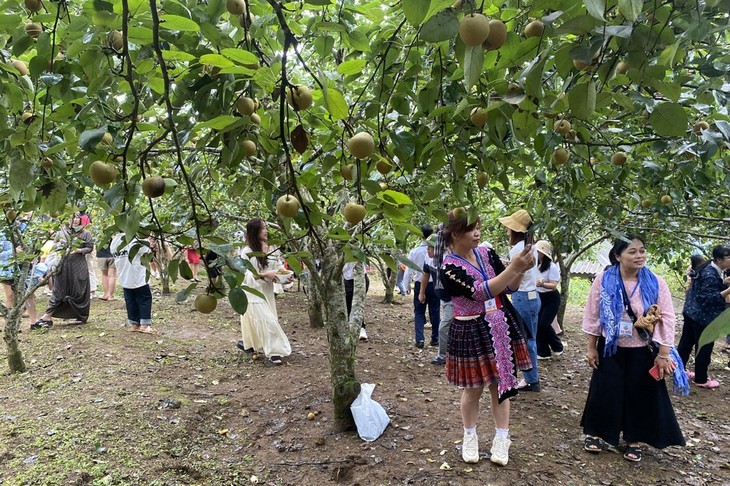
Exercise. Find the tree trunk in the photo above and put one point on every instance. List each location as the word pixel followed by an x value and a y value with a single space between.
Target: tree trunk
pixel 164 256
pixel 564 292
pixel 314 303
pixel 16 363
pixel 345 386
pixel 388 282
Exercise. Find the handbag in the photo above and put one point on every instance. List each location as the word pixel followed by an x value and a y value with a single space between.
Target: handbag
pixel 644 333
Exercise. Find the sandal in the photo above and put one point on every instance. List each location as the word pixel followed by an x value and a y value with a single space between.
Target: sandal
pixel 134 328
pixel 592 444
pixel 41 324
pixel 276 361
pixel 632 453
pixel 710 384
pixel 147 330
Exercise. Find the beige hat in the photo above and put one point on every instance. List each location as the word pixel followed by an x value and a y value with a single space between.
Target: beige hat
pixel 543 246
pixel 520 221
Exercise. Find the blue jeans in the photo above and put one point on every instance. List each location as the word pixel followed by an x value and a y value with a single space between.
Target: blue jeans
pixel 529 310
pixel 139 305
pixel 434 312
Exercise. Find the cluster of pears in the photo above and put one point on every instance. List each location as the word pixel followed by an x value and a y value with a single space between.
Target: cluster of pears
pixel 247 107
pixel 476 29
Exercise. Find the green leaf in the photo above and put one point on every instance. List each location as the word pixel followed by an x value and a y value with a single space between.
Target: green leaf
pixel 238 299
pixel 185 271
pixel 415 10
pixel 240 56
pixel 253 291
pixel 441 27
pixel 393 197
pixel 669 120
pixel 175 22
pixel 582 100
pixel 719 327
pixel 90 138
pixel 216 60
pixel 473 63
pixel 21 172
pixel 329 27
pixel 183 295
pixel 355 66
pixel 219 122
pixel 630 8
pixel 177 56
pixel 335 103
pixel 596 8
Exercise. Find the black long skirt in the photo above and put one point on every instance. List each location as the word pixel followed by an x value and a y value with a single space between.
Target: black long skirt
pixel 623 397
pixel 71 297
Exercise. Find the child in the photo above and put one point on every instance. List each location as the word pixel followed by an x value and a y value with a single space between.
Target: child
pixel 132 276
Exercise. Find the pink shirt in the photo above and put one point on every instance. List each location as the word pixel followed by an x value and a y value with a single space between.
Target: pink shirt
pixel 664 330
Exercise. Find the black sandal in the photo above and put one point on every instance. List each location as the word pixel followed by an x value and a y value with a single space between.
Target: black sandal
pixel 632 453
pixel 41 324
pixel 276 361
pixel 592 444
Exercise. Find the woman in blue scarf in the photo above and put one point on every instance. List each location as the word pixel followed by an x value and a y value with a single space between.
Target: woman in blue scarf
pixel 623 396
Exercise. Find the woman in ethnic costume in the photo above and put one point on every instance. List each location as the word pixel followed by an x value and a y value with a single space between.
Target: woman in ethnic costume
pixel 486 346
pixel 623 396
pixel 71 298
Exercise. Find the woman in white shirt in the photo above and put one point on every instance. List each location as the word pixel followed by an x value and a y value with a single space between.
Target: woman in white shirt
pixel 548 279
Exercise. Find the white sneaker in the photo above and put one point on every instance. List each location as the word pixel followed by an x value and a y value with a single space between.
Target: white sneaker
pixel 500 451
pixel 363 334
pixel 470 448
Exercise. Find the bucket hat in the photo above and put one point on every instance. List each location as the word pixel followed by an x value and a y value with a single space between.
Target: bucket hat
pixel 519 221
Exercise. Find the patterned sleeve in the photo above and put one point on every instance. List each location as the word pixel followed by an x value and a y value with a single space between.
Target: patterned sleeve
pixel 88 242
pixel 664 330
pixel 591 318
pixel 458 283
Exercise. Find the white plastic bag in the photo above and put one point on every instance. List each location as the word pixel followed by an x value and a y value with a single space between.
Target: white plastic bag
pixel 370 417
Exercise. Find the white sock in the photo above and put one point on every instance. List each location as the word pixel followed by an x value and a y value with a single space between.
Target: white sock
pixel 470 430
pixel 502 433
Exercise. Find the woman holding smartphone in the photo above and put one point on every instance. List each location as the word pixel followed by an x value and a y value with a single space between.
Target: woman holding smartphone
pixel 624 396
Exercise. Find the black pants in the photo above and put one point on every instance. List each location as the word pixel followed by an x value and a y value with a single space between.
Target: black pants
pixel 349 290
pixel 690 339
pixel 547 340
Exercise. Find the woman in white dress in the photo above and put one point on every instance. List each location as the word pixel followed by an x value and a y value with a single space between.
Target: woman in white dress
pixel 260 329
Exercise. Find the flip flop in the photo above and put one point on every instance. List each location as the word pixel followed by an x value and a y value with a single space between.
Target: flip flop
pixel 134 328
pixel 147 330
pixel 709 384
pixel 103 298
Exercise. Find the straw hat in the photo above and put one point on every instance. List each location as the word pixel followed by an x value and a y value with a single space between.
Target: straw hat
pixel 543 246
pixel 519 221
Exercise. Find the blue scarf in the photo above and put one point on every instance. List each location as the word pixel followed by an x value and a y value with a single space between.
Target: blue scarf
pixel 612 308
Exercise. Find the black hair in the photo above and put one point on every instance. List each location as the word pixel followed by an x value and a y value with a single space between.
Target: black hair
pixel 253 228
pixel 546 261
pixel 427 230
pixel 720 252
pixel 620 245
pixel 696 260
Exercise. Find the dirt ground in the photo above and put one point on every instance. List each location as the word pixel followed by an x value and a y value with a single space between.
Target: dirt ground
pixel 101 405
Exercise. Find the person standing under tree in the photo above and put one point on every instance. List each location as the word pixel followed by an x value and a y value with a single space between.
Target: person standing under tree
pixel 418 256
pixel 548 279
pixel 486 347
pixel 132 276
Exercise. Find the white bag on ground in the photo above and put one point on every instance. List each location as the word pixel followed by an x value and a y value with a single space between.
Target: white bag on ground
pixel 370 417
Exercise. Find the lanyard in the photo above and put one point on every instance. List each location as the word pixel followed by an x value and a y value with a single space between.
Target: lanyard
pixel 483 272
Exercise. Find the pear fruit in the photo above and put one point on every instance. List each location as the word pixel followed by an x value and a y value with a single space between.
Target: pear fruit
pixel 354 213
pixel 346 172
pixel 102 173
pixel 245 106
pixel 299 97
pixel 249 148
pixel 116 40
pixel 383 167
pixel 497 35
pixel 700 126
pixel 236 7
pixel 255 119
pixel 560 156
pixel 474 29
pixel 21 66
pixel 622 67
pixel 153 186
pixel 562 127
pixel 107 139
pixel 47 163
pixel 27 117
pixel 205 304
pixel 534 29
pixel 646 203
pixel 666 199
pixel 287 206
pixel 33 29
pixel 361 145
pixel 478 116
pixel 33 5
pixel 619 158
pixel 582 66
pixel 482 179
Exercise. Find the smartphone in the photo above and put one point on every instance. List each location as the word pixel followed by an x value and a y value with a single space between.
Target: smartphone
pixel 654 372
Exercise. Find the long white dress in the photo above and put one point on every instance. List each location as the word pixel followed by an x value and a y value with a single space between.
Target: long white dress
pixel 260 327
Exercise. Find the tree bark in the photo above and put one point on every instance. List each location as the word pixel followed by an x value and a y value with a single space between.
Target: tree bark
pixel 388 282
pixel 314 303
pixel 564 292
pixel 16 363
pixel 342 342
